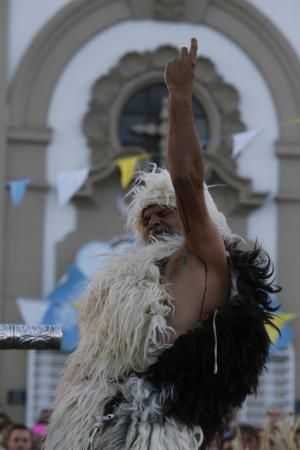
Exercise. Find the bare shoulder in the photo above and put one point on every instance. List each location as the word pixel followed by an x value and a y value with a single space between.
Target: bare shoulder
pixel 184 259
pixel 197 289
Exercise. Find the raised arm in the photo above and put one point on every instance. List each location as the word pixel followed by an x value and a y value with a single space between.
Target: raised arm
pixel 185 161
pixel 183 149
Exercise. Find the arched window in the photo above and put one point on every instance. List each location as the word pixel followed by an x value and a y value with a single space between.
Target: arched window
pixel 143 120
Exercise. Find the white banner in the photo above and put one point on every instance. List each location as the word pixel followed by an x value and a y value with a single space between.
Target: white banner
pixel 68 183
pixel 241 140
pixel 32 310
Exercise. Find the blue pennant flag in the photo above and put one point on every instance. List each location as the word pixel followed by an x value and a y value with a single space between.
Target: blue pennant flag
pixel 64 306
pixel 18 189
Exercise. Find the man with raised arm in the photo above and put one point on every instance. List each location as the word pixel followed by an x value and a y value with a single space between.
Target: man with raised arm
pixel 172 334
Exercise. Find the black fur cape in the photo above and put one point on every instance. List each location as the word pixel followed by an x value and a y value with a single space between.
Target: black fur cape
pixel 200 396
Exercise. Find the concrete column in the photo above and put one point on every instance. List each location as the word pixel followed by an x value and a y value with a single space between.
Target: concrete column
pixel 3 130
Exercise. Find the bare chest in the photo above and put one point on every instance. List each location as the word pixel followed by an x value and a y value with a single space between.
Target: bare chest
pixel 183 267
pixel 185 277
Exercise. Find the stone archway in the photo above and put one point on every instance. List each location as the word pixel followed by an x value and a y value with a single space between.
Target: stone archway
pixel 79 21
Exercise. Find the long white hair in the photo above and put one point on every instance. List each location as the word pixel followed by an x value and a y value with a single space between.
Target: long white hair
pixel 155 188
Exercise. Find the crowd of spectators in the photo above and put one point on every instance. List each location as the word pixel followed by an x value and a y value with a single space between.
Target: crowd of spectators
pixel 277 434
pixel 16 436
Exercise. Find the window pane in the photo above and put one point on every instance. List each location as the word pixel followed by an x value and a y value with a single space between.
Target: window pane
pixel 145 114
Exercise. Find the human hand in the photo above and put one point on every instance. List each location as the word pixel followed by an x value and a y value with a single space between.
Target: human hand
pixel 180 72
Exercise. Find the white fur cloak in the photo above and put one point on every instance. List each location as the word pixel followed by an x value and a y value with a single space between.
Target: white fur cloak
pixel 123 329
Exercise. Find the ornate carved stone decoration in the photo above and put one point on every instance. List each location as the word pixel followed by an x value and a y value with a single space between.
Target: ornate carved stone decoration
pixel 134 71
pixel 168 9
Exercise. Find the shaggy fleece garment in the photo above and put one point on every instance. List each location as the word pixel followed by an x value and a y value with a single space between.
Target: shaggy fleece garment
pixel 169 394
pixel 123 329
pixel 137 422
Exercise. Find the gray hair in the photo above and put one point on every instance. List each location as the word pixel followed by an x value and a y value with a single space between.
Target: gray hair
pixel 155 188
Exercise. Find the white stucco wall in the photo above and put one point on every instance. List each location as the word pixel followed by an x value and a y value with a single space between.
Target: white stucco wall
pixel 68 149
pixel 26 19
pixel 285 15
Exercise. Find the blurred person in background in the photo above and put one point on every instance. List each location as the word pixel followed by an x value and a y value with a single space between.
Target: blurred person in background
pixel 297 437
pixel 39 429
pixel 275 415
pixel 18 437
pixel 215 444
pixel 226 443
pixel 5 423
pixel 249 437
pixel 232 424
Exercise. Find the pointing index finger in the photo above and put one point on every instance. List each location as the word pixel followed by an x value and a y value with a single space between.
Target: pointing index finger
pixel 193 49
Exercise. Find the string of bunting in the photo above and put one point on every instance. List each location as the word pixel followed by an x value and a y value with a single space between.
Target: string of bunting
pixel 69 183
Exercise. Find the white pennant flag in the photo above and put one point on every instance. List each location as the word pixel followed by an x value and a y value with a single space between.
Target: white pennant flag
pixel 241 140
pixel 68 183
pixel 32 310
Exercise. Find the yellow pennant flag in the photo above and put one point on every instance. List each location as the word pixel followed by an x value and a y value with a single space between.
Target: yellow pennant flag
pixel 295 121
pixel 127 167
pixel 279 320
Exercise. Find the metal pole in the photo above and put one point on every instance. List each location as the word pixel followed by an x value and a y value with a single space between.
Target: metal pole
pixel 28 337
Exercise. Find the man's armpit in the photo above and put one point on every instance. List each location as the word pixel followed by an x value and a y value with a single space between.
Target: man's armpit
pixel 182 213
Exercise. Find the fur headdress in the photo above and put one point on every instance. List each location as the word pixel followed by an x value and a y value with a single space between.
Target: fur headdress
pixel 156 188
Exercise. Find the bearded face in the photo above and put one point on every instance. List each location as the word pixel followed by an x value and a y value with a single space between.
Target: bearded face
pixel 158 231
pixel 160 221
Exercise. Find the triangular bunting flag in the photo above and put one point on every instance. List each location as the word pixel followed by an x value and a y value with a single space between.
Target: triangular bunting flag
pixel 127 167
pixel 32 310
pixel 295 121
pixel 18 189
pixel 241 140
pixel 68 183
pixel 279 319
pixel 122 207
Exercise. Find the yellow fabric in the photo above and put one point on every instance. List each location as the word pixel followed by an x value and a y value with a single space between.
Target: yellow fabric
pixel 295 121
pixel 279 320
pixel 127 167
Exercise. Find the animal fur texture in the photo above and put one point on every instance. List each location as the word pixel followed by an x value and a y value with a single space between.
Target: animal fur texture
pixel 155 187
pixel 168 393
pixel 139 424
pixel 122 329
pixel 200 396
